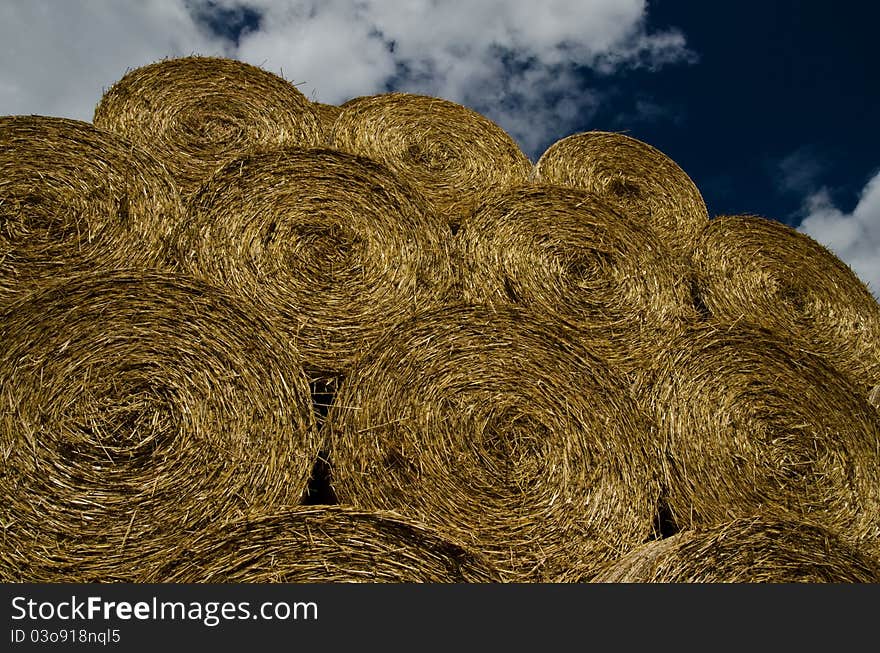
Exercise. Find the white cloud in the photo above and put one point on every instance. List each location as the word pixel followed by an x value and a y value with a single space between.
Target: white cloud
pixel 515 60
pixel 854 237
pixel 58 57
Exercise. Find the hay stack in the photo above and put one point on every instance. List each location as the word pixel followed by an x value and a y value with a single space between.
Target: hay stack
pixel 72 198
pixel 134 411
pixel 752 425
pixel 762 271
pixel 454 155
pixel 564 253
pixel 637 180
pixel 329 544
pixel 497 427
pixel 196 113
pixel 333 246
pixel 746 550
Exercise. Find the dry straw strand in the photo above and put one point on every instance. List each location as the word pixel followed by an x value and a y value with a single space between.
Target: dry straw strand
pixel 500 429
pixel 746 550
pixel 454 155
pixel 333 246
pixel 136 410
pixel 73 197
pixel 197 113
pixel 760 270
pixel 565 253
pixel 636 179
pixel 327 114
pixel 327 544
pixel 751 424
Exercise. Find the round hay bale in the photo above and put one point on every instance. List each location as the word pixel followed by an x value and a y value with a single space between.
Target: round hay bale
pixel 328 544
pixel 454 155
pixel 762 271
pixel 73 198
pixel 746 550
pixel 752 425
pixel 333 246
pixel 136 410
pixel 196 113
pixel 498 428
pixel 637 180
pixel 565 253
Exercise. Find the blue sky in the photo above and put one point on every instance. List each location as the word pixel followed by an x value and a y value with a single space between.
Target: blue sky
pixel 771 107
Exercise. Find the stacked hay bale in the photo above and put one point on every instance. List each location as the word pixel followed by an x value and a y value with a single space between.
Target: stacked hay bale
pixel 335 246
pixel 563 252
pixel 195 114
pixel 500 428
pixel 588 367
pixel 137 409
pixel 746 550
pixel 453 155
pixel 634 178
pixel 752 425
pixel 761 271
pixel 327 544
pixel 74 198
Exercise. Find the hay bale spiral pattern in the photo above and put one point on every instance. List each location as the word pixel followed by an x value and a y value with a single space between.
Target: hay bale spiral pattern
pixel 454 155
pixel 751 425
pixel 498 428
pixel 135 411
pixel 327 544
pixel 196 113
pixel 746 550
pixel 762 271
pixel 334 247
pixel 636 179
pixel 564 253
pixel 73 198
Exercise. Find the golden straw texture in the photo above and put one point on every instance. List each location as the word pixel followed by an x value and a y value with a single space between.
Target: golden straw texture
pixel 753 425
pixel 327 114
pixel 136 410
pixel 74 198
pixel 454 155
pixel 746 550
pixel 498 428
pixel 196 113
pixel 327 544
pixel 637 180
pixel 759 270
pixel 564 253
pixel 333 246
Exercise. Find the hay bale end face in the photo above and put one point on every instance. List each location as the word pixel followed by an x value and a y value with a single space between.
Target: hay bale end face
pixel 75 198
pixel 453 155
pixel 498 428
pixel 333 246
pixel 136 410
pixel 746 550
pixel 639 181
pixel 565 253
pixel 762 271
pixel 330 544
pixel 752 425
pixel 197 113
